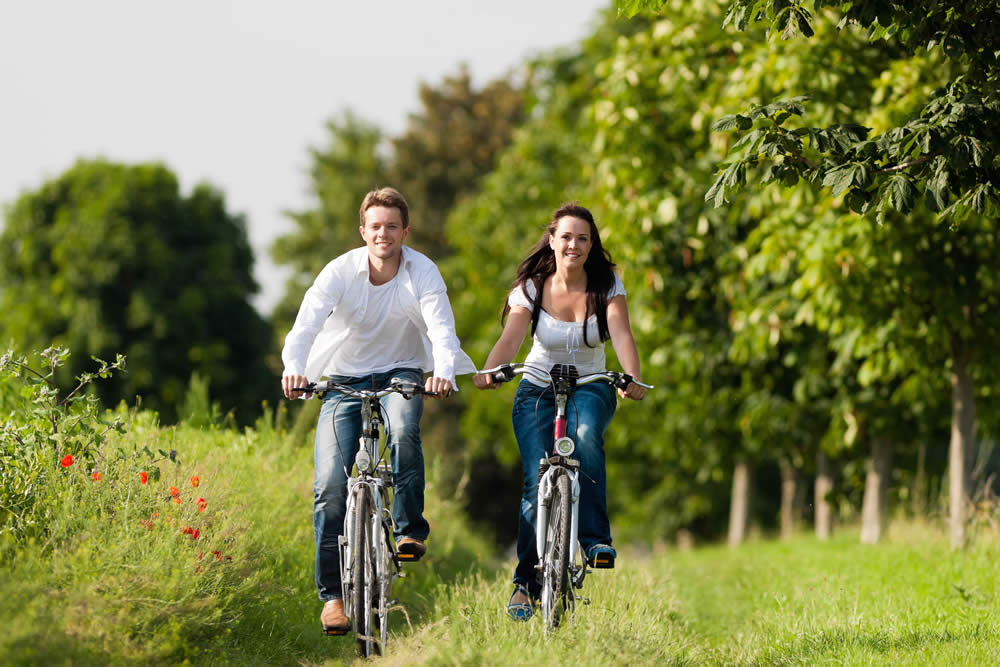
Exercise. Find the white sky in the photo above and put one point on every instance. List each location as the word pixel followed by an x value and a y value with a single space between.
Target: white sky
pixel 234 93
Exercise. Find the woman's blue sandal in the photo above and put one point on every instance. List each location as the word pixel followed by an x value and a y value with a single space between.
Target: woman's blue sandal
pixel 602 557
pixel 520 611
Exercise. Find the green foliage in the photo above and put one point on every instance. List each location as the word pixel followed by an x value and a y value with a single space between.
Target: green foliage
pixel 938 151
pixel 109 258
pixel 448 146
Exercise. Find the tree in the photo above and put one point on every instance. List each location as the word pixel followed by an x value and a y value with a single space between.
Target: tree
pixel 447 148
pixel 110 258
pixel 944 151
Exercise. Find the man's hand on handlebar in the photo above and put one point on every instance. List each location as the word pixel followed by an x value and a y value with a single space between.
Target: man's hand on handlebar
pixel 289 382
pixel 440 386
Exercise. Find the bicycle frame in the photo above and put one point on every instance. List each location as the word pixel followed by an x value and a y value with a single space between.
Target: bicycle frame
pixel 377 478
pixel 563 387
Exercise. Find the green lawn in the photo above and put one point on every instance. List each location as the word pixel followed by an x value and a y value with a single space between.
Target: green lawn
pixel 105 587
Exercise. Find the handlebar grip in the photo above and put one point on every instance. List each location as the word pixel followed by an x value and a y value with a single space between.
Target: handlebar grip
pixel 505 374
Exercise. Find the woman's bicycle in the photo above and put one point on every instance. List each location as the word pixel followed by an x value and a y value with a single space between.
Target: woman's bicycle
pixel 369 562
pixel 561 563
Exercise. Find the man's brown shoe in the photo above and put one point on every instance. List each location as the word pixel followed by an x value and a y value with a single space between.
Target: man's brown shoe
pixel 333 619
pixel 409 549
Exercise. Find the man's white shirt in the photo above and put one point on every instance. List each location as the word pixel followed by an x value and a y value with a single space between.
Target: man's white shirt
pixel 347 326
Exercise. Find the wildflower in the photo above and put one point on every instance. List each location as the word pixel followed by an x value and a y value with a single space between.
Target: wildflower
pixel 187 530
pixel 177 500
pixel 195 481
pixel 143 477
pixel 96 476
pixel 217 554
pixel 67 461
pixel 174 491
pixel 202 504
pixel 195 533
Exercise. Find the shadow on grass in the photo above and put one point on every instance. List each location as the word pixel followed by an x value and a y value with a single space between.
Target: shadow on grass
pixel 833 641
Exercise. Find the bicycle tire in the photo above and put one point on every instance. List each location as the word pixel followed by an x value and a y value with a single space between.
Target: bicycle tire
pixel 361 566
pixel 380 534
pixel 555 564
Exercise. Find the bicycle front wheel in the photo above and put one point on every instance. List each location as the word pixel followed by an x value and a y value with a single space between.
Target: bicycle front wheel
pixel 555 561
pixel 365 577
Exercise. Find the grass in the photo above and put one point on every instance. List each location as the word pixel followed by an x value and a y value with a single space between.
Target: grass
pixel 105 588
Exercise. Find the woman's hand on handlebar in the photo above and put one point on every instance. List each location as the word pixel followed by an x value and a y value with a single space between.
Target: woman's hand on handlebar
pixel 484 381
pixel 633 390
pixel 289 382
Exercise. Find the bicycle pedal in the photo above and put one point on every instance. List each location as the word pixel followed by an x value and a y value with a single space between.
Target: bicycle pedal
pixel 407 557
pixel 335 632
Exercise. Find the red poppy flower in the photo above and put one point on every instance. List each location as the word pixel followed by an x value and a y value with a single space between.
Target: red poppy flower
pixel 195 481
pixel 177 500
pixel 202 504
pixel 187 530
pixel 143 477
pixel 217 554
pixel 67 461
pixel 96 476
pixel 174 491
pixel 195 533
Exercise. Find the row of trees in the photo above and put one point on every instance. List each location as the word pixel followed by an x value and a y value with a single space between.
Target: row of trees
pixel 783 329
pixel 822 323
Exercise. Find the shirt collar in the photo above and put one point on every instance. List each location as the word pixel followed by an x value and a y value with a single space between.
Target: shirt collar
pixel 362 264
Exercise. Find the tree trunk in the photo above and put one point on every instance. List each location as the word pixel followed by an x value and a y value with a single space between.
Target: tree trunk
pixel 739 504
pixel 875 511
pixel 791 499
pixel 963 426
pixel 824 486
pixel 919 493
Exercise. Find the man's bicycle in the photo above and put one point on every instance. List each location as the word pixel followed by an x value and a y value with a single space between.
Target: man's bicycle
pixel 369 562
pixel 561 563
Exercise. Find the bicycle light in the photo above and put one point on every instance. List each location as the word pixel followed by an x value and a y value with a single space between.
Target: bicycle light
pixel 363 460
pixel 564 446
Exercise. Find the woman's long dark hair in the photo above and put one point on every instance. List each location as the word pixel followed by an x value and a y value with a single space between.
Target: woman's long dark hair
pixel 541 264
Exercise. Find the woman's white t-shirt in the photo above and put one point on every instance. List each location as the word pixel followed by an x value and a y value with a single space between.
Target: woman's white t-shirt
pixel 559 342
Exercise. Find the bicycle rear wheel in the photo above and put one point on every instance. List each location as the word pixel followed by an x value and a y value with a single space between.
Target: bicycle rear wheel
pixel 364 572
pixel 555 561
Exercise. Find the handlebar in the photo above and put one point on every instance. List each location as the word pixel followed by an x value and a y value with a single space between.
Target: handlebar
pixel 407 389
pixel 506 372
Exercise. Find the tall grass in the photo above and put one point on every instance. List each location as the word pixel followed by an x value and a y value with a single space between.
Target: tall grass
pixel 120 579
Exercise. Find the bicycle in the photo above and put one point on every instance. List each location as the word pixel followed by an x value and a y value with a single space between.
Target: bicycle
pixel 561 564
pixel 369 562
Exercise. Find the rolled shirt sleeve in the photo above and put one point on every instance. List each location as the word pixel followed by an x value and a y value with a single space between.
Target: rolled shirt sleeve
pixel 435 309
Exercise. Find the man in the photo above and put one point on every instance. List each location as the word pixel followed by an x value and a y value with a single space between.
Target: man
pixel 374 314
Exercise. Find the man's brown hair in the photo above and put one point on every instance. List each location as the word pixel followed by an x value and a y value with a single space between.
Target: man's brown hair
pixel 389 198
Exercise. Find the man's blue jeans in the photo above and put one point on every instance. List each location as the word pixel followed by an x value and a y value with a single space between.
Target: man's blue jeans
pixel 588 413
pixel 337 436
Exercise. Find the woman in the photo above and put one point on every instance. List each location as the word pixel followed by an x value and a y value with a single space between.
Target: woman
pixel 567 294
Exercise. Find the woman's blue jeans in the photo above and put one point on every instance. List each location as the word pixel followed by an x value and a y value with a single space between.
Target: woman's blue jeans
pixel 589 411
pixel 337 436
